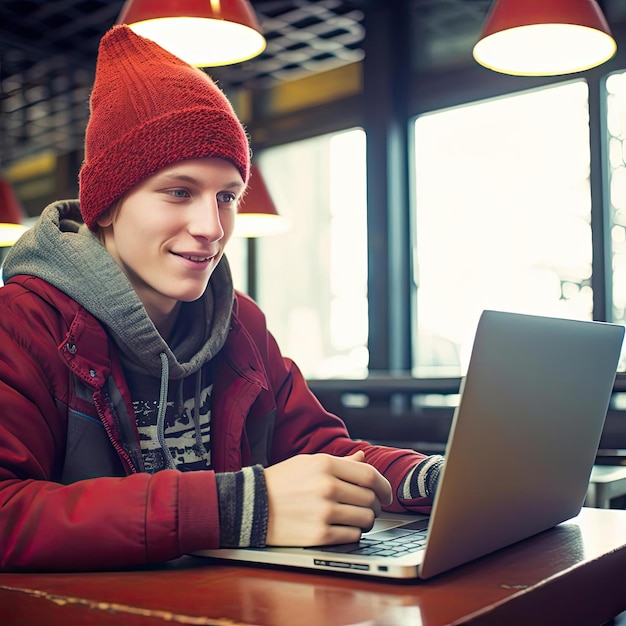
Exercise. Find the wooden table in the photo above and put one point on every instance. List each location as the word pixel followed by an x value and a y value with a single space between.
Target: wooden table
pixel 570 575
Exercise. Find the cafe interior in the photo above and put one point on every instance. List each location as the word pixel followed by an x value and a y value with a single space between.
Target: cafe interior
pixel 406 179
pixel 413 165
pixel 404 184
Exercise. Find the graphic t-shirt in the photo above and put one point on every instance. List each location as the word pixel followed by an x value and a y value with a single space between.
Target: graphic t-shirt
pixel 187 428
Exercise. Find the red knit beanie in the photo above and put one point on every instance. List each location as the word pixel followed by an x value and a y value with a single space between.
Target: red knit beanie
pixel 150 109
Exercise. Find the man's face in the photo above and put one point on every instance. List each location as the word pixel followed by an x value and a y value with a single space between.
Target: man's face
pixel 169 232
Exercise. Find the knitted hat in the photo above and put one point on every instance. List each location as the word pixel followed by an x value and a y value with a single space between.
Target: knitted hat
pixel 150 109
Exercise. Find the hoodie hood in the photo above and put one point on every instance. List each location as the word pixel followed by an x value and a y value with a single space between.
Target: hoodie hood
pixel 61 250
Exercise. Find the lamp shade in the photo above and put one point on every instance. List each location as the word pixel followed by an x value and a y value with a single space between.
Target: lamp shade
pixel 257 215
pixel 10 208
pixel 11 215
pixel 10 233
pixel 544 37
pixel 201 32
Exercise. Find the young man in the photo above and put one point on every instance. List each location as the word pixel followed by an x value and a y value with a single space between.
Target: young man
pixel 145 410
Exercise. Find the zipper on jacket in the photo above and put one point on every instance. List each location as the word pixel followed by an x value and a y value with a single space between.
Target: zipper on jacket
pixel 116 445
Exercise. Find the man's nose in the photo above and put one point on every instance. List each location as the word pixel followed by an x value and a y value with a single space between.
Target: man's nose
pixel 205 220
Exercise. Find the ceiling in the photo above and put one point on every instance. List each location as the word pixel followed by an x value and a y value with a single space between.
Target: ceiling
pixel 48 50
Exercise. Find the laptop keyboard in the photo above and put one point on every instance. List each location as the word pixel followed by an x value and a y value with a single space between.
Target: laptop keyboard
pixel 393 542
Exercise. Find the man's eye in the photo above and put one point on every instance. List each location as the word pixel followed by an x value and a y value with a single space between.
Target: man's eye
pixel 226 197
pixel 179 193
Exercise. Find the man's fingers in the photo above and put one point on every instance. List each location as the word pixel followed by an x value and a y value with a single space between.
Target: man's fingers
pixel 364 475
pixel 350 516
pixel 355 495
pixel 358 456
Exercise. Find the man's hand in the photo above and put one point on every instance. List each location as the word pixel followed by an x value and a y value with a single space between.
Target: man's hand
pixel 320 499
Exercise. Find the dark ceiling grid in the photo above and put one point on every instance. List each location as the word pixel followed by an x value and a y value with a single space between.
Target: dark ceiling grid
pixel 48 50
pixel 47 56
pixel 303 37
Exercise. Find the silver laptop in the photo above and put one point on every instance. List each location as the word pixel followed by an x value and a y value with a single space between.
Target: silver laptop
pixel 519 455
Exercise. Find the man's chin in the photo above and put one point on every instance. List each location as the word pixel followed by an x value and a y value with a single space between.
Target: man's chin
pixel 192 294
pixel 191 297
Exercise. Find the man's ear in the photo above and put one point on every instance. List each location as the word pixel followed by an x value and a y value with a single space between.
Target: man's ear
pixel 106 219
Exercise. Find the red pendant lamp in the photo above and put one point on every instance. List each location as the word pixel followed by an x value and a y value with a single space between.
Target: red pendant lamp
pixel 201 32
pixel 11 215
pixel 257 215
pixel 544 37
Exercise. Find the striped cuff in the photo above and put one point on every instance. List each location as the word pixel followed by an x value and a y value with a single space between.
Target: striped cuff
pixel 421 481
pixel 244 508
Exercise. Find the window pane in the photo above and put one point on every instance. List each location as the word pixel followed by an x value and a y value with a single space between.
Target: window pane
pixel 312 280
pixel 616 125
pixel 237 254
pixel 503 217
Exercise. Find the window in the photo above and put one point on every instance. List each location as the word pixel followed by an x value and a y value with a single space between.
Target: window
pixel 503 217
pixel 616 127
pixel 312 280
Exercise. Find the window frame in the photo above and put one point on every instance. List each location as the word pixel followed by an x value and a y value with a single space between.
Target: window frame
pixel 391 96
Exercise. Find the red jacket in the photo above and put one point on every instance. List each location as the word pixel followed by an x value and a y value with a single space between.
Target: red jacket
pixel 70 495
